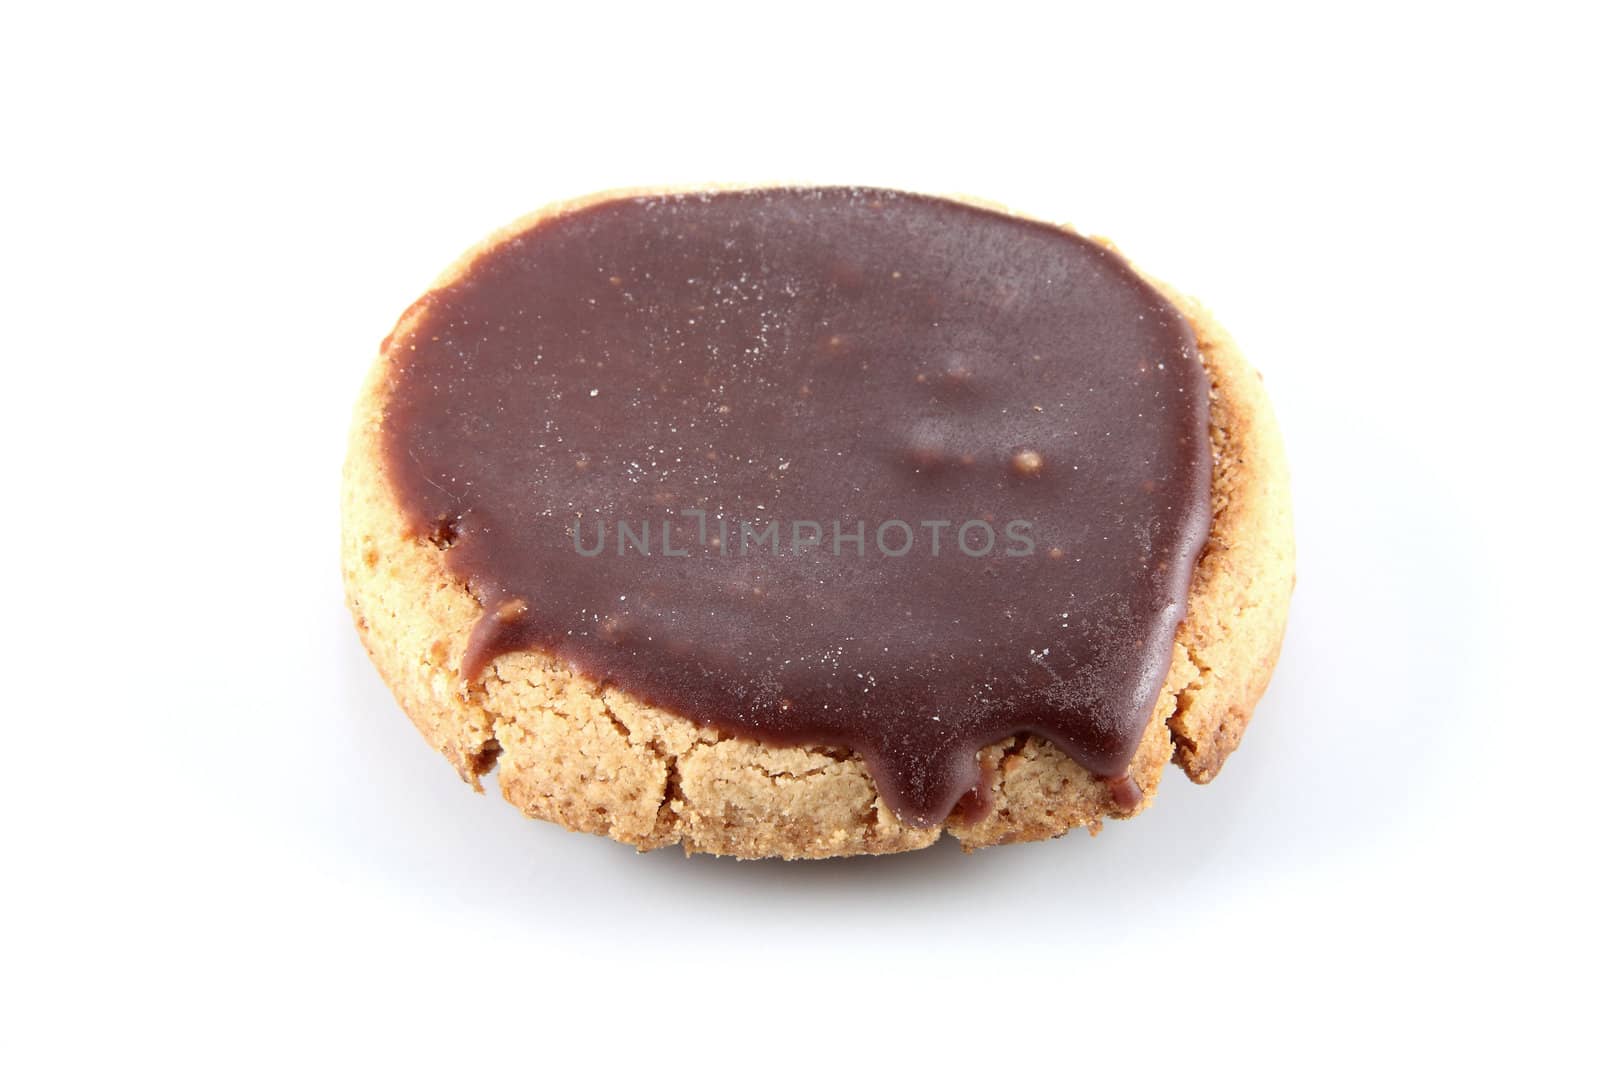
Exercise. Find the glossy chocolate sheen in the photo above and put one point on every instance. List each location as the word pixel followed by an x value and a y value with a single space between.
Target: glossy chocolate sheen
pixel 781 361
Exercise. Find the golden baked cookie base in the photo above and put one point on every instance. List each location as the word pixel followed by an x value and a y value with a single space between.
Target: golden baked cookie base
pixel 590 757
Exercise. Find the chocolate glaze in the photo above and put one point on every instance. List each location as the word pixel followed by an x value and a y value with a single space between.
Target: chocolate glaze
pixel 819 355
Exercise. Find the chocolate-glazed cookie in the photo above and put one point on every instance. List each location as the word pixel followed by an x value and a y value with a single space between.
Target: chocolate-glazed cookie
pixel 899 497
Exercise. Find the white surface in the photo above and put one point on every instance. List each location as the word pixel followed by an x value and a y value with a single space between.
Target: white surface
pixel 223 838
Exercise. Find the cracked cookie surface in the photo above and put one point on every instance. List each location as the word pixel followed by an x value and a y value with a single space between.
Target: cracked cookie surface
pixel 590 757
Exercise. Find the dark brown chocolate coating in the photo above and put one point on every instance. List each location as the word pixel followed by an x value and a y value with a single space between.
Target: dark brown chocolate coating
pixel 815 356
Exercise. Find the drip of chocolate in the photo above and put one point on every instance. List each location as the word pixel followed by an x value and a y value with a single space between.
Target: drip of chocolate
pixel 827 466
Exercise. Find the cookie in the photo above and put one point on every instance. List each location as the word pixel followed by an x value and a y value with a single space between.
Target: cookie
pixel 815 522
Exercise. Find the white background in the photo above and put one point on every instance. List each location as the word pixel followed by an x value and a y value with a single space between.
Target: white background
pixel 223 840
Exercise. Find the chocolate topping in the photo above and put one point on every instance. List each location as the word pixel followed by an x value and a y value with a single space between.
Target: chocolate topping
pixel 827 466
